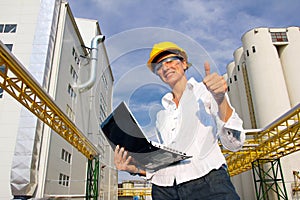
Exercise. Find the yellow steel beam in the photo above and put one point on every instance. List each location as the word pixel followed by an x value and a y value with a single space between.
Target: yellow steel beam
pixel 280 138
pixel 18 82
pixel 129 192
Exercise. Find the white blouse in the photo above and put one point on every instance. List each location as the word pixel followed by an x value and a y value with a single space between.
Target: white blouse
pixel 194 127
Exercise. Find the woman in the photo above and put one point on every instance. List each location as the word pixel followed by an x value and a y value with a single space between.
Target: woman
pixel 195 116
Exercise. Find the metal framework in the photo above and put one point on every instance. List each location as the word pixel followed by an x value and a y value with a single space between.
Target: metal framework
pixel 296 184
pixel 268 179
pixel 131 192
pixel 93 179
pixel 17 81
pixel 280 138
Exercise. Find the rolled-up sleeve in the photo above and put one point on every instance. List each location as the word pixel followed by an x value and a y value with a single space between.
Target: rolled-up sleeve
pixel 231 134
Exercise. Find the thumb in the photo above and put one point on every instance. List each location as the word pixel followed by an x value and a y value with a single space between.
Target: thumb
pixel 207 68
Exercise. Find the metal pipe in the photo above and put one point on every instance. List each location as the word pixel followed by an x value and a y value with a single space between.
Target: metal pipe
pixel 94 57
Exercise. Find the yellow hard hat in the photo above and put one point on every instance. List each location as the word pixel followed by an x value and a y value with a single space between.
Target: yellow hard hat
pixel 163 49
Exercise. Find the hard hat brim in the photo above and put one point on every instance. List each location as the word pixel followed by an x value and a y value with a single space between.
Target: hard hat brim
pixel 164 53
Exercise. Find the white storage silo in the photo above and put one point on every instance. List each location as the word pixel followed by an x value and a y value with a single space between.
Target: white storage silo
pixel 240 71
pixel 289 56
pixel 267 85
pixel 233 90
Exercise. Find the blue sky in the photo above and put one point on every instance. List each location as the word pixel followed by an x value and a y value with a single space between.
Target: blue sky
pixel 215 24
pixel 208 29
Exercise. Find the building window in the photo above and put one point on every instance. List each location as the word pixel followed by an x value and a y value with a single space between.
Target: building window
pixel 76 56
pixel 253 49
pixel 279 37
pixel 62 154
pixel 64 180
pixel 70 113
pixel 66 156
pixel 103 108
pixel 235 78
pixel 8 28
pixel 247 53
pixel 61 176
pixel 73 74
pixel 104 81
pixel 71 91
pixel 67 181
pixel 73 51
pixel 9 46
pixel 238 67
pixel 230 80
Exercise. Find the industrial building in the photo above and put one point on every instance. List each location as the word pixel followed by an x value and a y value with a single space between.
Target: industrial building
pixel 263 85
pixel 68 59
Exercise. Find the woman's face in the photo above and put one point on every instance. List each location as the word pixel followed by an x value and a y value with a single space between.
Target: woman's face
pixel 171 69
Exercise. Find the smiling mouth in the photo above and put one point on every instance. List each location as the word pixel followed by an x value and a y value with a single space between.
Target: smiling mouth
pixel 169 74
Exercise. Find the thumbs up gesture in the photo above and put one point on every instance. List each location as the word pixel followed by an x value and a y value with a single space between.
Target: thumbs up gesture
pixel 215 83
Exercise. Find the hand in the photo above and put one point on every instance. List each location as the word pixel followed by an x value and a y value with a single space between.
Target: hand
pixel 122 160
pixel 215 83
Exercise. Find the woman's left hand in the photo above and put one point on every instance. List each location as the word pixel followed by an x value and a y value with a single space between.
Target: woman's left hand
pixel 215 83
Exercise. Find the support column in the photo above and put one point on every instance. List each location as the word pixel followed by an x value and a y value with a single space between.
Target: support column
pixel 268 179
pixel 92 179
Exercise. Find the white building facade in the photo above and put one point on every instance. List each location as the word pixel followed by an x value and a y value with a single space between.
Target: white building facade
pixel 55 48
pixel 263 85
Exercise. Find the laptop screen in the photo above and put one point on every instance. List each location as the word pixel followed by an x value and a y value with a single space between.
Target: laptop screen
pixel 121 129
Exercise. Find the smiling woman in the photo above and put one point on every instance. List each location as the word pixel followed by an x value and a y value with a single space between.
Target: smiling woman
pixel 128 52
pixel 193 117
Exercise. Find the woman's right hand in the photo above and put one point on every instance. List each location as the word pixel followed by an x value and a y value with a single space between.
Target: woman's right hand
pixel 122 160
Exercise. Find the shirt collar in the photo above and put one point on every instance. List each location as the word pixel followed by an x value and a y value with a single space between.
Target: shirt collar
pixel 167 100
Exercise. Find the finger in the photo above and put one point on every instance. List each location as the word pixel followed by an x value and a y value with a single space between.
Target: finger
pixel 117 150
pixel 206 68
pixel 128 160
pixel 117 157
pixel 119 153
pixel 124 156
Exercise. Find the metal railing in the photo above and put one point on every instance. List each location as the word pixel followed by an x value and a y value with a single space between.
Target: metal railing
pixel 280 138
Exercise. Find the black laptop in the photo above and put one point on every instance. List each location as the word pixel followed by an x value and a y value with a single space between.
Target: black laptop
pixel 121 128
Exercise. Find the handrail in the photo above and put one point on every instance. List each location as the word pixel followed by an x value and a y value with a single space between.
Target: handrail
pixel 276 140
